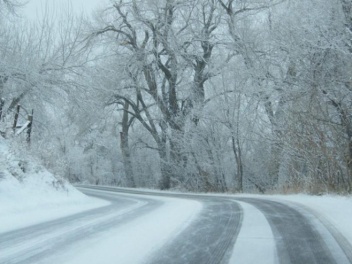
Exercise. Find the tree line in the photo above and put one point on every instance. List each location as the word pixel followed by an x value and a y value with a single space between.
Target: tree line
pixel 203 95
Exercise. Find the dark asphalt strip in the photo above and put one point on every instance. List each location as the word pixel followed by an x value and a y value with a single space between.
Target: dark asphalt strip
pixel 49 246
pixel 208 240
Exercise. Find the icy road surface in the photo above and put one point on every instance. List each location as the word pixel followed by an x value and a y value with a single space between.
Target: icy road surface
pixel 151 227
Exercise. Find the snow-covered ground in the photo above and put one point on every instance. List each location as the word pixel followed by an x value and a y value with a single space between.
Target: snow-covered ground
pixel 29 194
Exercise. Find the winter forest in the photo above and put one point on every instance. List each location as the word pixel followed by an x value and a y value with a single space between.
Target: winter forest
pixel 200 95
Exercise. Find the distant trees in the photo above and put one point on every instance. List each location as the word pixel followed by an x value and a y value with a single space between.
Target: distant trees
pixel 198 95
pixel 313 103
pixel 176 69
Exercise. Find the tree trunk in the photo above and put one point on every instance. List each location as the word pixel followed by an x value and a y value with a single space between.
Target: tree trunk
pixel 347 123
pixel 29 128
pixel 238 156
pixel 2 103
pixel 125 150
pixel 165 180
pixel 177 159
pixel 277 123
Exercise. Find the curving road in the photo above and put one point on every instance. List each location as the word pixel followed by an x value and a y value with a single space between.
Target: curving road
pixel 36 243
pixel 227 229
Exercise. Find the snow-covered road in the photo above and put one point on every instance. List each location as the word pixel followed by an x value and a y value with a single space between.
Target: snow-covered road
pixel 152 227
pixel 126 231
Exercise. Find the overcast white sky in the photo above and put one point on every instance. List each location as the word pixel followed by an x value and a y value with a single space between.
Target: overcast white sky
pixel 35 8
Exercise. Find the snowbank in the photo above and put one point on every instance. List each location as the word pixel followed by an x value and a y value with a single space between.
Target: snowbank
pixel 29 194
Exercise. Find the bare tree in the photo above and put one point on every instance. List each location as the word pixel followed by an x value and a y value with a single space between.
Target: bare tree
pixel 166 52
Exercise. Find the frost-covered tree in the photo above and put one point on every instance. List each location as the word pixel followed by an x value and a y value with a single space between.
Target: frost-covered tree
pixel 310 104
pixel 165 50
pixel 199 95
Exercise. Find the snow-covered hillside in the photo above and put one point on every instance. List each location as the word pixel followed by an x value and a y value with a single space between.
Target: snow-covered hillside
pixel 29 194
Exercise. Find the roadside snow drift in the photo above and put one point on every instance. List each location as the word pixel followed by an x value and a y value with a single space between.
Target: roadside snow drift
pixel 29 194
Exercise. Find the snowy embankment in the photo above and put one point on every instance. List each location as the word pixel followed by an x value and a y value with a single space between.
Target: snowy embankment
pixel 29 194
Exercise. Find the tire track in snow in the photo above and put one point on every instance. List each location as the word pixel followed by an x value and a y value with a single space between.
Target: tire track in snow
pixel 341 241
pixel 209 239
pixel 297 239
